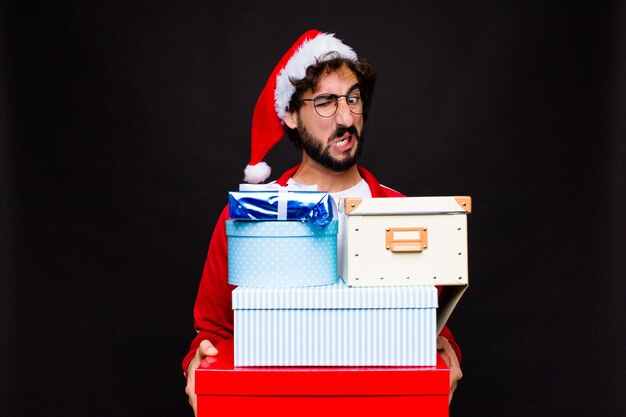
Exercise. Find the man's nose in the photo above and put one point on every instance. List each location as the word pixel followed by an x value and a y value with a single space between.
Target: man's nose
pixel 344 116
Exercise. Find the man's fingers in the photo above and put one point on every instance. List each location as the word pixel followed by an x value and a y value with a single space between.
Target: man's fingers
pixel 205 349
pixel 452 388
pixel 449 356
pixel 193 401
pixel 440 342
pixel 456 373
pixel 190 388
pixel 190 391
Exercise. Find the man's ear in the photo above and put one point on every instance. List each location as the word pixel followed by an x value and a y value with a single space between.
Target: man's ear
pixel 291 119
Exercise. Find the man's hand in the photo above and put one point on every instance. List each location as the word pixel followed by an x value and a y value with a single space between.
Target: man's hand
pixel 205 349
pixel 449 357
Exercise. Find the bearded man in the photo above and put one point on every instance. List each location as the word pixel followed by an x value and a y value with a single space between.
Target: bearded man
pixel 319 95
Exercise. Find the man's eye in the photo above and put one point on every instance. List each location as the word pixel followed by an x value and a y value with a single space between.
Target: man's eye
pixel 324 102
pixel 353 100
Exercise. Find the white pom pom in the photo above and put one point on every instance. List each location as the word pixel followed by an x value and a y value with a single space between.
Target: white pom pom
pixel 255 174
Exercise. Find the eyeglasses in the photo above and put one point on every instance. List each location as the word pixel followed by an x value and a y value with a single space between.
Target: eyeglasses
pixel 326 104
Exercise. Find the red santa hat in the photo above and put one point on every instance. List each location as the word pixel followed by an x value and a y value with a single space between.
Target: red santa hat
pixel 271 107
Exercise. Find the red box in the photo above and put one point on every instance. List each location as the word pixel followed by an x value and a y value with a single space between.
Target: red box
pixel 315 391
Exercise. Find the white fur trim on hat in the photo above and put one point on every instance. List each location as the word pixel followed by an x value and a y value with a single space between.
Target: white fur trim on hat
pixel 305 56
pixel 255 174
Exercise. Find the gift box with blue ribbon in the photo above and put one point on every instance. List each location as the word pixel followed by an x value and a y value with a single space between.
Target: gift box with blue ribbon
pixel 280 237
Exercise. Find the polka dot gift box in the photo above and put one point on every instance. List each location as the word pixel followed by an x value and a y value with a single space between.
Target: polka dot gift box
pixel 281 253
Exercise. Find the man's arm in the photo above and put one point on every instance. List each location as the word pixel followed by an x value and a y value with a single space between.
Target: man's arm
pixel 213 315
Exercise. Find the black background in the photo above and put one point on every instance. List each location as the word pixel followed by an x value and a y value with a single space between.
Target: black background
pixel 124 125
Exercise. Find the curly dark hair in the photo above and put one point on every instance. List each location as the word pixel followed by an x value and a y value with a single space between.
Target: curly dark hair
pixel 365 74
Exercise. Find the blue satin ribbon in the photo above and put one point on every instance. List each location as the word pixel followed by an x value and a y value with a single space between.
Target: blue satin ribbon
pixel 311 206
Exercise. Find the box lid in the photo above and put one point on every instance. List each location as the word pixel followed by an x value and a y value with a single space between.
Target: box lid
pixel 217 376
pixel 407 205
pixel 278 228
pixel 334 296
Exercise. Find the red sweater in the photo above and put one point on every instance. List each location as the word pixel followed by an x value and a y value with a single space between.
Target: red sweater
pixel 213 314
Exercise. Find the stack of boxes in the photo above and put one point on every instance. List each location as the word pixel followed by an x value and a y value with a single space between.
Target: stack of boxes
pixel 296 305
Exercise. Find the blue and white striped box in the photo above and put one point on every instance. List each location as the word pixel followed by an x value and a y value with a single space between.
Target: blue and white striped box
pixel 335 325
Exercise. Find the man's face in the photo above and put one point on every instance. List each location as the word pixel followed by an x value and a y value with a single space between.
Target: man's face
pixel 334 142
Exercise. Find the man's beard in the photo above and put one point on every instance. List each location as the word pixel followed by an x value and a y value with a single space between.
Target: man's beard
pixel 319 151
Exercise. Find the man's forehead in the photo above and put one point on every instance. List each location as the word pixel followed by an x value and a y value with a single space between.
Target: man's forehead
pixel 341 76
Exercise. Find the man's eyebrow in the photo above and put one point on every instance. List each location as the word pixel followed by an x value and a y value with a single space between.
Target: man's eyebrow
pixel 355 86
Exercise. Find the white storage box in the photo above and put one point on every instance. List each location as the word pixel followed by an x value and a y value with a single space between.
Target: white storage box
pixel 335 325
pixel 405 241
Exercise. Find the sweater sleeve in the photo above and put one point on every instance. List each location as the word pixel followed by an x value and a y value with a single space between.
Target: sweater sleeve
pixel 213 315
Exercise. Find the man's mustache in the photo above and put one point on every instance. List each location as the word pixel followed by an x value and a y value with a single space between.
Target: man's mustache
pixel 342 131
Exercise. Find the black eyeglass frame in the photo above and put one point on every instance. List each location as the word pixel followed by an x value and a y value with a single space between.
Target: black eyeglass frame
pixel 352 94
